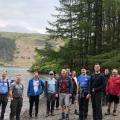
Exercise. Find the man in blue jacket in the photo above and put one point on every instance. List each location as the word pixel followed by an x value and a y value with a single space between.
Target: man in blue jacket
pixel 35 89
pixel 4 91
pixel 83 81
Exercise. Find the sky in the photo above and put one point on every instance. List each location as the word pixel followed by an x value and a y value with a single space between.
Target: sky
pixel 30 16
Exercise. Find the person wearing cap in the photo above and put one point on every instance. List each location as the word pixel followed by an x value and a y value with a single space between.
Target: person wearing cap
pixel 35 89
pixel 16 95
pixel 113 91
pixel 64 86
pixel 4 93
pixel 50 90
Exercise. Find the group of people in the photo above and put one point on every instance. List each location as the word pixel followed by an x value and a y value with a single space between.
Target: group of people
pixel 15 92
pixel 63 91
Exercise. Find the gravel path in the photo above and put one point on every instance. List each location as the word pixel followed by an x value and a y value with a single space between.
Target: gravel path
pixel 42 113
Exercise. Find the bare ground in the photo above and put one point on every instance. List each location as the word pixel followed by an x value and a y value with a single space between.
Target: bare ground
pixel 42 114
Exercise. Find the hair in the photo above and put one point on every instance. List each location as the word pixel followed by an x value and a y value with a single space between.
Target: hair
pixel 96 64
pixel 115 70
pixel 63 71
pixel 36 72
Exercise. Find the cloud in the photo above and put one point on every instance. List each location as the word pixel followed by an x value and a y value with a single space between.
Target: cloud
pixel 32 15
pixel 3 23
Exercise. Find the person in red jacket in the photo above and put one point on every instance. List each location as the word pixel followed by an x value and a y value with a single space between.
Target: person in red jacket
pixel 113 91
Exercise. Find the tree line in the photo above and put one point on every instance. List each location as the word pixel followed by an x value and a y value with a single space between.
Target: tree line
pixel 88 27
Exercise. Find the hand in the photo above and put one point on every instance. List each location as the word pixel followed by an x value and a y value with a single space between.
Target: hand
pixel 11 98
pixel 56 95
pixel 93 90
pixel 88 96
pixel 70 95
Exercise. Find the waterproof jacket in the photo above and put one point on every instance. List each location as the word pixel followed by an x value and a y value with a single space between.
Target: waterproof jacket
pixel 30 90
pixel 113 85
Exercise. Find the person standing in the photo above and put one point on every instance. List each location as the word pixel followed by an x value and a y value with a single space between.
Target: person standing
pixel 83 80
pixel 96 88
pixel 16 94
pixel 74 91
pixel 35 89
pixel 64 86
pixel 106 76
pixel 57 98
pixel 113 91
pixel 4 93
pixel 50 90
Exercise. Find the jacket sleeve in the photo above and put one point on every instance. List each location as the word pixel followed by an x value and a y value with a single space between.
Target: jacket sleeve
pixel 70 86
pixel 43 86
pixel 46 87
pixel 107 87
pixel 57 86
pixel 90 85
pixel 28 89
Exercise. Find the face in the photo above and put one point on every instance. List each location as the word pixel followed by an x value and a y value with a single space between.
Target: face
pixel 97 68
pixel 73 73
pixel 63 74
pixel 115 72
pixel 68 71
pixel 51 75
pixel 83 71
pixel 18 78
pixel 36 75
pixel 106 71
pixel 4 75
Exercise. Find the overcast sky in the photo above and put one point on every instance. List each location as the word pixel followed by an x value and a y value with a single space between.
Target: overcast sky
pixel 26 15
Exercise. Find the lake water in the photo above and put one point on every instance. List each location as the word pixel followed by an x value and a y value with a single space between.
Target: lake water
pixel 12 71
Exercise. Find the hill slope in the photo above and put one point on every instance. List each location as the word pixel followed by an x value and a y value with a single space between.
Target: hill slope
pixel 18 49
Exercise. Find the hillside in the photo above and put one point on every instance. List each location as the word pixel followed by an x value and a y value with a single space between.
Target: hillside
pixel 18 49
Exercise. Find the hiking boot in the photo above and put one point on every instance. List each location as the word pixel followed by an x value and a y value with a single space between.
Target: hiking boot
pixel 108 112
pixel 47 114
pixel 76 113
pixel 1 118
pixel 36 115
pixel 67 116
pixel 52 113
pixel 63 116
pixel 114 113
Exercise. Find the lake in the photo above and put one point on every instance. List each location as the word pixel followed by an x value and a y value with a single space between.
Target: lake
pixel 12 71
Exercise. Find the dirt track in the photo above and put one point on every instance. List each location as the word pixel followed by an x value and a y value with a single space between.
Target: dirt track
pixel 42 113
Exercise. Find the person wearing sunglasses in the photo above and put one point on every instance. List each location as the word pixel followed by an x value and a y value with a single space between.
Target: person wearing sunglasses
pixel 50 91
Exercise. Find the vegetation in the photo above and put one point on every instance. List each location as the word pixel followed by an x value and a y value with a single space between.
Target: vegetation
pixel 92 31
pixel 18 49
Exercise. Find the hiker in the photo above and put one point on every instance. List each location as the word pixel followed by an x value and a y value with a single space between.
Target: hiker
pixel 83 80
pixel 113 91
pixel 35 89
pixel 105 97
pixel 16 95
pixel 4 93
pixel 74 91
pixel 57 98
pixel 64 86
pixel 69 72
pixel 50 90
pixel 96 87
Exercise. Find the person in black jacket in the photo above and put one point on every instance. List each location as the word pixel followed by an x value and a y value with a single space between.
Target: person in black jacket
pixel 96 88
pixel 106 76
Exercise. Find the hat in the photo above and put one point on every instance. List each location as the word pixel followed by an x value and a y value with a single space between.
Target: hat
pixel 51 72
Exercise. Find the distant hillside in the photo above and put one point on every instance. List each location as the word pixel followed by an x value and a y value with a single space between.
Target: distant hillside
pixel 18 49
